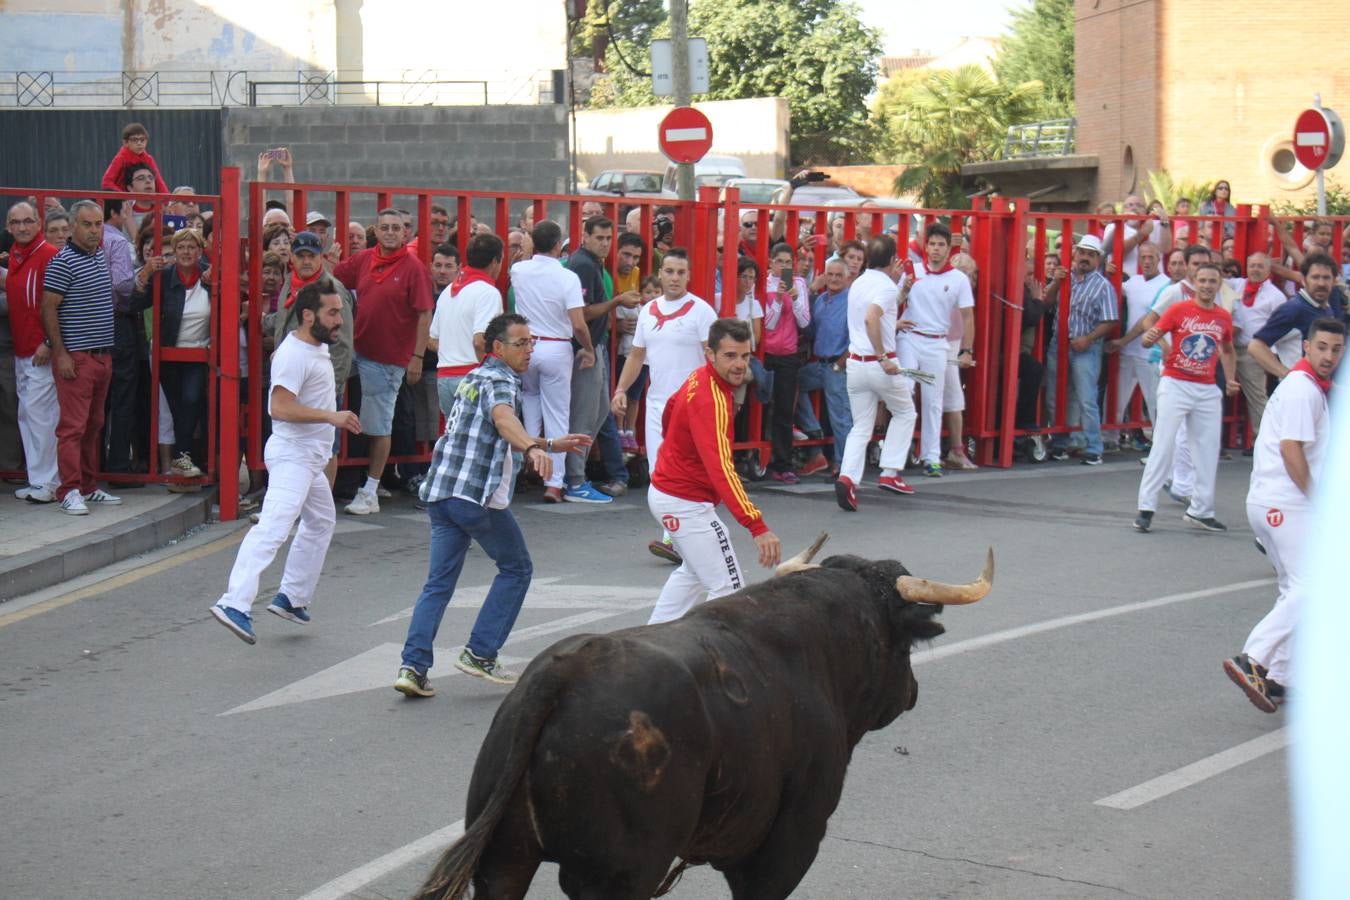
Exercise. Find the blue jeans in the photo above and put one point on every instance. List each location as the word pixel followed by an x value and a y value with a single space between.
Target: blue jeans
pixel 1084 370
pixel 818 375
pixel 453 523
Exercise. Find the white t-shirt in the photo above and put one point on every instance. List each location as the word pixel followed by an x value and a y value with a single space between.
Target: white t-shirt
pixel 1248 320
pixel 545 291
pixel 747 310
pixel 307 372
pixel 1140 292
pixel 1297 411
pixel 1131 266
pixel 459 318
pixel 872 288
pixel 195 329
pixel 933 298
pixel 625 339
pixel 672 332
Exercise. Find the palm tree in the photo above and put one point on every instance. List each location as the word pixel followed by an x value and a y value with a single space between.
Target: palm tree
pixel 1163 188
pixel 952 118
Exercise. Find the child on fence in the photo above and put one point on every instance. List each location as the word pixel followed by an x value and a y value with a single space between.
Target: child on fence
pixel 135 138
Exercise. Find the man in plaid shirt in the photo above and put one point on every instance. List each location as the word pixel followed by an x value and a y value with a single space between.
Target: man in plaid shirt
pixel 467 492
pixel 1093 314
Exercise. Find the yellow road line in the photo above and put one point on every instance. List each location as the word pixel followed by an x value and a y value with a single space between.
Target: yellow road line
pixel 124 579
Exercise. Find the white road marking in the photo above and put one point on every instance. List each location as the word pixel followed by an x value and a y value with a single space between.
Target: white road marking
pixel 1197 772
pixel 372 669
pixel 345 885
pixel 546 593
pixel 1001 637
pixel 581 509
pixel 347 526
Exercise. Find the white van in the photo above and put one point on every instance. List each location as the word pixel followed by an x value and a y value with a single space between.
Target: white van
pixel 710 171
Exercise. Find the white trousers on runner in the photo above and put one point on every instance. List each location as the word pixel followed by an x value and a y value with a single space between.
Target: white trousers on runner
pixel 709 570
pixel 38 415
pixel 927 354
pixel 868 385
pixel 296 488
pixel 651 423
pixel 546 398
pixel 1136 370
pixel 1200 408
pixel 1282 532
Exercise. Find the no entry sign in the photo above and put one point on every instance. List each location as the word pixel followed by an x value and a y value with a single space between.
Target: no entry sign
pixel 685 135
pixel 1319 138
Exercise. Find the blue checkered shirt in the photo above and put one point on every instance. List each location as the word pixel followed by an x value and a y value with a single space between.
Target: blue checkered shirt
pixel 467 461
pixel 1092 301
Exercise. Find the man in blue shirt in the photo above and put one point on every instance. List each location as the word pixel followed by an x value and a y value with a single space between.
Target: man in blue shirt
pixel 1319 298
pixel 829 318
pixel 467 491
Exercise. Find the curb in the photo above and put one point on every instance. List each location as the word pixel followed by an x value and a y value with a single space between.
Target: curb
pixel 62 561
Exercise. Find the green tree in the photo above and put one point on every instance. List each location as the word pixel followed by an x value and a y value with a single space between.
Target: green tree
pixel 1039 47
pixel 629 22
pixel 1338 202
pixel 816 54
pixel 1163 188
pixel 950 118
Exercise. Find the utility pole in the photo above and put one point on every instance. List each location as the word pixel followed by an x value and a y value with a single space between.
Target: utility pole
pixel 679 64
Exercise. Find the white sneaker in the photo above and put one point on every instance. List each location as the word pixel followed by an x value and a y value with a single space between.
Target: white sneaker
pixel 35 494
pixel 183 467
pixel 72 504
pixel 103 498
pixel 363 504
pixel 383 493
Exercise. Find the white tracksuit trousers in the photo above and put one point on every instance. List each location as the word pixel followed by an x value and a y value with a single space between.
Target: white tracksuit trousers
pixel 38 414
pixel 926 354
pixel 1199 407
pixel 1282 532
pixel 709 570
pixel 868 385
pixel 546 398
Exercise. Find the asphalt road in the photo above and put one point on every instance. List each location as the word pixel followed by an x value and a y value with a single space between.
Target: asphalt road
pixel 147 753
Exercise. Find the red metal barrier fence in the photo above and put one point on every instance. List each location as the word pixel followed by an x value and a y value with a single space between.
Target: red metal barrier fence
pixel 1008 242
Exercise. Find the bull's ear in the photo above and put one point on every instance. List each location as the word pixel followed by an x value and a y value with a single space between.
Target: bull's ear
pixel 926 629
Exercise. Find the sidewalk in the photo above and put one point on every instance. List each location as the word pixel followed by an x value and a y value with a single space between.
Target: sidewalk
pixel 40 546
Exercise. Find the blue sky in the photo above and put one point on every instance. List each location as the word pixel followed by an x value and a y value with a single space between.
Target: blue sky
pixel 923 24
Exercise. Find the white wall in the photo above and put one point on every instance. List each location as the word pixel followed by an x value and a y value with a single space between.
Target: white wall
pixel 755 130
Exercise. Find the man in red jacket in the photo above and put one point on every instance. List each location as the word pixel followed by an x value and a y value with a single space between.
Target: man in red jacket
pixel 134 141
pixel 38 408
pixel 694 472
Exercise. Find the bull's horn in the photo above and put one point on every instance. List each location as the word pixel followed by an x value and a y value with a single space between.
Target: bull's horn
pixel 802 561
pixel 921 590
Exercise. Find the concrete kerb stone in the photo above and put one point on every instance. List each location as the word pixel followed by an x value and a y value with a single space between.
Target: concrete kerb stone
pixel 64 560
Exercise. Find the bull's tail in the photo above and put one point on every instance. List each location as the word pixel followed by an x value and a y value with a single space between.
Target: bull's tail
pixel 454 872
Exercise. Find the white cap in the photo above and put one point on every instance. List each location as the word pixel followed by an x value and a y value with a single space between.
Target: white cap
pixel 315 216
pixel 1090 242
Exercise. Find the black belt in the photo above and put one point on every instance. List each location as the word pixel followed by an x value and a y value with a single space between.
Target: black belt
pixel 95 350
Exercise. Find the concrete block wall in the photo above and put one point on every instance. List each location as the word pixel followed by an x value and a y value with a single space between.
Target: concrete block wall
pixel 485 148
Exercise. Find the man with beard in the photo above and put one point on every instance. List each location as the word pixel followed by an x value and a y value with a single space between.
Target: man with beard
pixel 1317 299
pixel 694 471
pixel 304 414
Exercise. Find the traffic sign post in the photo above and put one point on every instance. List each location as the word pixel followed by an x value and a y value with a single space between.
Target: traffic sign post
pixel 1319 141
pixel 685 135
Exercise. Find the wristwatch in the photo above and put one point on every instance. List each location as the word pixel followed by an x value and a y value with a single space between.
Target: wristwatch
pixel 964 351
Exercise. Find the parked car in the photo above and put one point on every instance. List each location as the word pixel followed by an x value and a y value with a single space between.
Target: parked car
pixel 755 191
pixel 708 171
pixel 625 183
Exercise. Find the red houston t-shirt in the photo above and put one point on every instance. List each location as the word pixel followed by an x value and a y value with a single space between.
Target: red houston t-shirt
pixel 1196 335
pixel 391 292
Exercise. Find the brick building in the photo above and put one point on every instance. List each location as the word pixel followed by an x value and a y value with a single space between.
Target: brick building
pixel 1205 89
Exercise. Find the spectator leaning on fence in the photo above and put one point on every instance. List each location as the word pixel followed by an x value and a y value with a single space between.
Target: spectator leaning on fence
pixel 38 409
pixel 393 314
pixel 77 314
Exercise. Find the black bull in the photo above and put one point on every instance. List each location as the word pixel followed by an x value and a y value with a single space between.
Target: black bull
pixel 721 738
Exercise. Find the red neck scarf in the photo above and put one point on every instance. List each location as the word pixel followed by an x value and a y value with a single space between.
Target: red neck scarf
pixel 946 266
pixel 1249 292
pixel 189 277
pixel 467 276
pixel 662 318
pixel 381 265
pixel 297 283
pixel 1303 366
pixel 21 253
pixel 1220 207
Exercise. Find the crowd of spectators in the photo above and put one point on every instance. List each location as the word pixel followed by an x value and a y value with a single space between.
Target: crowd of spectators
pixel 82 285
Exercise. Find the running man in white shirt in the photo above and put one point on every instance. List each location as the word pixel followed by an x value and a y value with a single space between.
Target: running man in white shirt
pixel 463 312
pixel 874 376
pixel 1291 449
pixel 672 332
pixel 304 413
pixel 549 296
pixel 939 291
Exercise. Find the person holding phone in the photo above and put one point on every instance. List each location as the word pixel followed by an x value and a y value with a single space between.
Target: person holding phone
pixel 787 307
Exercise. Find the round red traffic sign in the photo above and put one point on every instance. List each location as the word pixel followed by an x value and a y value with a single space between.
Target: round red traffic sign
pixel 1319 138
pixel 685 135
